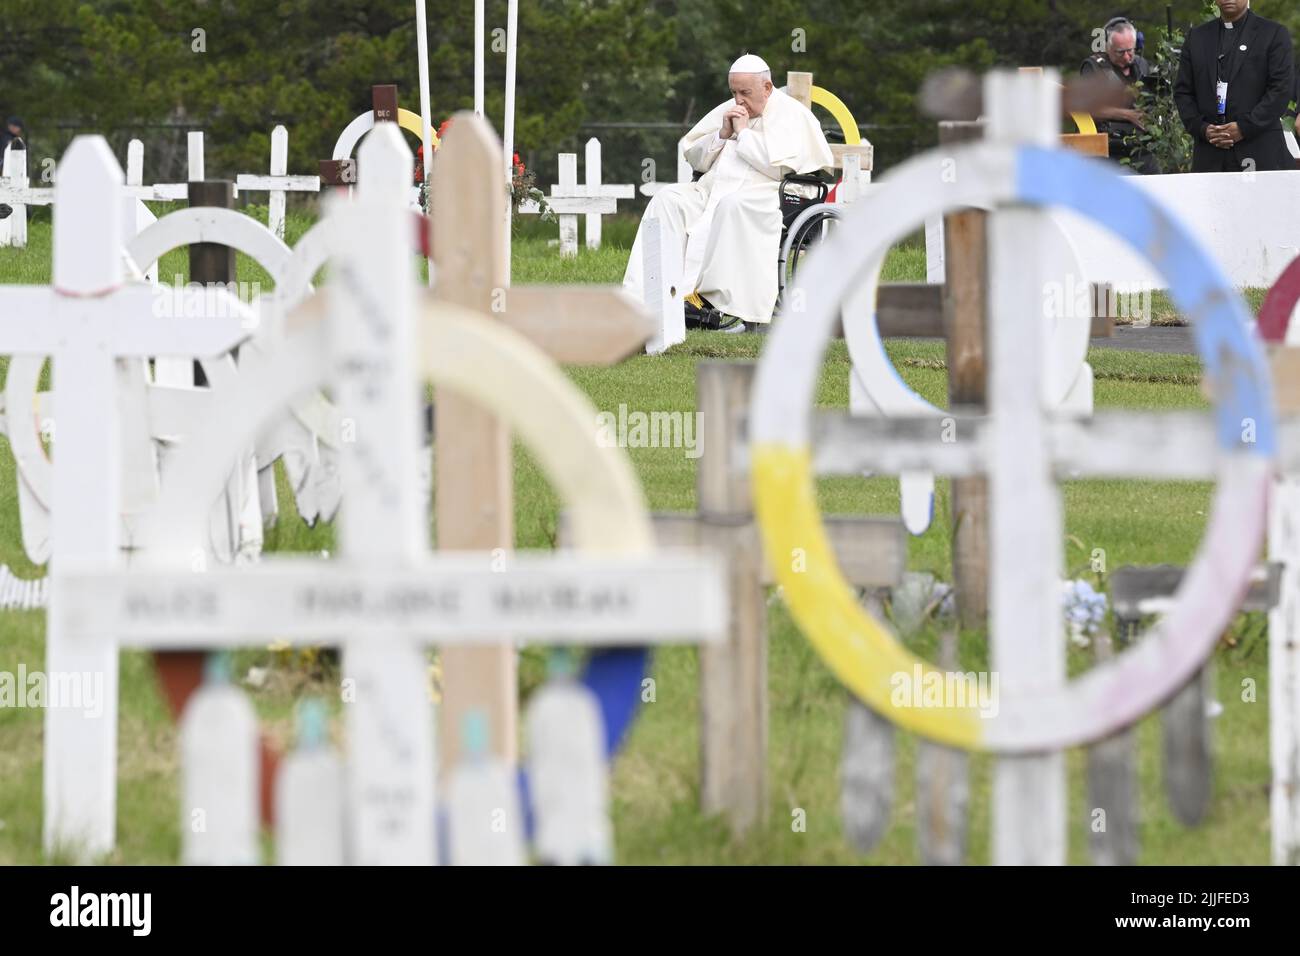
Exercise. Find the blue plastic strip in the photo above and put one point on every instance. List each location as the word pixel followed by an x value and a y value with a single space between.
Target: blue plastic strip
pixel 1222 325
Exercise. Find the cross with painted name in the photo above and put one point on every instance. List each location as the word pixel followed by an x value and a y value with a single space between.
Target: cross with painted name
pixel 86 321
pixel 389 596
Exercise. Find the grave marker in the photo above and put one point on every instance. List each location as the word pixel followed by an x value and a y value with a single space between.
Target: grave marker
pixel 1023 451
pixel 387 597
pixel 84 321
pixel 592 199
pixel 278 183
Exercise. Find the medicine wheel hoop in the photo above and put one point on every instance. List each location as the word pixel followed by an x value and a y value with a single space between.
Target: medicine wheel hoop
pixel 462 351
pixel 1280 304
pixel 365 122
pixel 863 653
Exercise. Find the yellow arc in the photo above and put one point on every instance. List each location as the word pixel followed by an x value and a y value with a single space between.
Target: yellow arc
pixel 859 650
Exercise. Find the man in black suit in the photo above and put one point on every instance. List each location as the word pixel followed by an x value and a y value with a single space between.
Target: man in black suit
pixel 1234 82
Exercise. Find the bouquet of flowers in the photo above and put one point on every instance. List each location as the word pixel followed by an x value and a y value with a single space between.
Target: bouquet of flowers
pixel 1085 610
pixel 523 183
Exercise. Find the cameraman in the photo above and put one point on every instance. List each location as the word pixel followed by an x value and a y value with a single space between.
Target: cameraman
pixel 1121 124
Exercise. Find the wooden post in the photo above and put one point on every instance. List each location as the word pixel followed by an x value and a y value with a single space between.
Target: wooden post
pixel 212 261
pixel 15 175
pixel 181 672
pixel 279 167
pixel 1027 639
pixel 194 145
pixel 592 173
pixel 1284 672
pixel 568 222
pixel 475 502
pixel 733 675
pixel 799 86
pixel 663 289
pixel 964 308
pixel 1111 814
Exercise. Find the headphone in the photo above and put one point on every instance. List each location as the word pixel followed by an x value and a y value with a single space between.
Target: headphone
pixel 1115 23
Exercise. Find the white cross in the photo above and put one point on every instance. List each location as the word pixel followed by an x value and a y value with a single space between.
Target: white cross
pixel 388 595
pixel 85 321
pixel 17 192
pixel 277 184
pixel 165 192
pixel 592 198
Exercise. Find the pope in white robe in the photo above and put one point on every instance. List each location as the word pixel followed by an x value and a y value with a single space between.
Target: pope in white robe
pixel 726 225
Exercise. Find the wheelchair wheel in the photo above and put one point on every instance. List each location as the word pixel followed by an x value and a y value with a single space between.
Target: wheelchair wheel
pixel 802 235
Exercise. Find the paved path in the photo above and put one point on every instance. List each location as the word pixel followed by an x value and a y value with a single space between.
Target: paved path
pixel 1169 339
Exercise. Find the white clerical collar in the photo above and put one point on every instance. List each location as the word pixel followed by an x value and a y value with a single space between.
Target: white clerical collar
pixel 1227 25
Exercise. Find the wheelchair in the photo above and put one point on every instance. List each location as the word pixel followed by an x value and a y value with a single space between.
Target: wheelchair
pixel 805 214
pixel 805 217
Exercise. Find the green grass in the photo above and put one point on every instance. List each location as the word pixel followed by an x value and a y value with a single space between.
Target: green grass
pixel 656 791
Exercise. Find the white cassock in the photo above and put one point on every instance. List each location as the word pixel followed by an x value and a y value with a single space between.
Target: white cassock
pixel 727 224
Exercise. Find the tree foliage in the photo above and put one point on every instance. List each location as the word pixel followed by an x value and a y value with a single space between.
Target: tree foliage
pixel 129 68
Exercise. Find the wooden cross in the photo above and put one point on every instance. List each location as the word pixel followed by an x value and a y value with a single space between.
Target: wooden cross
pixel 165 192
pixel 85 321
pixel 159 192
pixel 18 193
pixel 573 325
pixel 1275 588
pixel 733 674
pixel 277 184
pixel 387 596
pixel 341 169
pixel 569 199
pixel 1024 449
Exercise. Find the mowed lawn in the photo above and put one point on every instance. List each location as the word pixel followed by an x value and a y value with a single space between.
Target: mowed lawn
pixel 656 789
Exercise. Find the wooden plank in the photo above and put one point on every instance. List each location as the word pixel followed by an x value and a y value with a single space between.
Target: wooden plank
pixel 1188 762
pixel 250 182
pixel 799 86
pixel 864 151
pixel 910 310
pixel 1090 144
pixel 569 223
pixel 578 325
pixel 1027 645
pixel 81 751
pixel 733 674
pixel 591 169
pixel 572 205
pixel 965 320
pixel 372 318
pixel 15 175
pixel 279 166
pixel 866 766
pixel 1284 365
pixel 195 172
pixel 603 190
pixel 942 788
pixel 383 102
pixel 475 501
pixel 1284 671
pixel 1112 809
pixel 664 294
